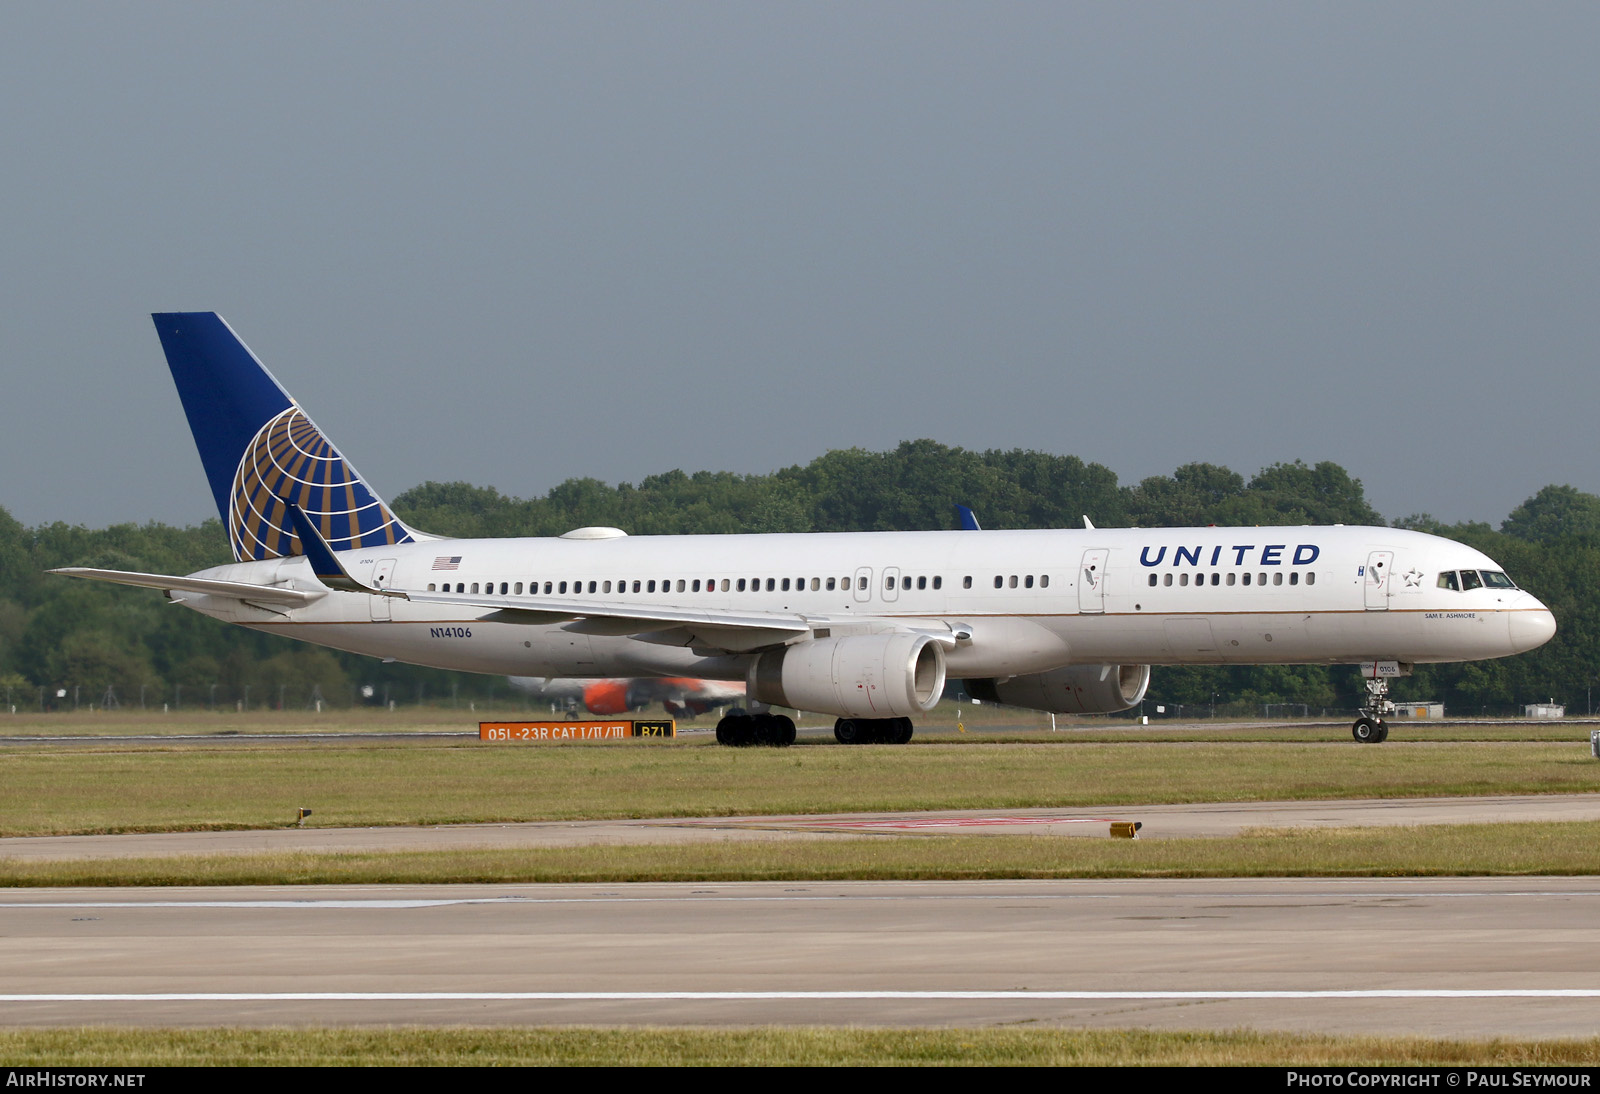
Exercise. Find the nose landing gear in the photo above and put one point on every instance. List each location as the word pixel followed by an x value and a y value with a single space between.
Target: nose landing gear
pixel 1370 728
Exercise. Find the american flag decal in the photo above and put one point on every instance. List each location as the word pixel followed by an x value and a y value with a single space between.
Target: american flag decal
pixel 447 562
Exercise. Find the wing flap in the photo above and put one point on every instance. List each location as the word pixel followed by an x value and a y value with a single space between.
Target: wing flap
pixel 725 630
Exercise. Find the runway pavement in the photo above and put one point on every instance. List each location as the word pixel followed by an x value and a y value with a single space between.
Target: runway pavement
pixel 1453 957
pixel 1449 957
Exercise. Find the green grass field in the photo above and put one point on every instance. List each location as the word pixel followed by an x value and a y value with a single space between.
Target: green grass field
pixel 1429 851
pixel 134 1048
pixel 187 786
pixel 201 784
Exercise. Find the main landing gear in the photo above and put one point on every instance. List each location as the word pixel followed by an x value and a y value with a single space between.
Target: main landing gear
pixel 1370 728
pixel 740 729
pixel 866 731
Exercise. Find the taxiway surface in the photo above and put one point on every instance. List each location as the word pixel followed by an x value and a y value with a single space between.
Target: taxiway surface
pixel 1458 957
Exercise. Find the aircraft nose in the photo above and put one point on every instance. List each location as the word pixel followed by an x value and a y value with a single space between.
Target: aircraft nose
pixel 1531 628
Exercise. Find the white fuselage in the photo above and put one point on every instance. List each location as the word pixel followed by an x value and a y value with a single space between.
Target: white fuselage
pixel 1021 602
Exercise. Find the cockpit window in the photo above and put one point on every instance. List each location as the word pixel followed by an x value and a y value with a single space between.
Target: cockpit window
pixel 1470 580
pixel 1494 579
pixel 1447 580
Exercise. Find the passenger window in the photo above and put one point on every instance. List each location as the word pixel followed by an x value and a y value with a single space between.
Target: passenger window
pixel 1469 580
pixel 1311 578
pixel 1013 581
pixel 1246 579
pixel 1183 579
pixel 1166 579
pixel 1261 579
pixel 649 586
pixel 1277 578
pixel 563 586
pixel 741 584
pixel 816 583
pixel 830 584
pixel 518 589
pixel 430 586
pixel 681 586
pixel 999 582
pixel 966 582
pixel 861 584
pixel 1044 581
pixel 922 583
pixel 724 584
pixel 1294 578
pixel 938 582
pixel 785 584
pixel 461 587
pixel 1216 579
pixel 1230 579
pixel 1152 581
pixel 1027 582
pixel 474 587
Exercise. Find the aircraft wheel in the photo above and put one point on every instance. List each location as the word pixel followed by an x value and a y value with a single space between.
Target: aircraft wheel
pixel 782 730
pixel 737 730
pixel 902 732
pixel 1383 732
pixel 848 731
pixel 1369 731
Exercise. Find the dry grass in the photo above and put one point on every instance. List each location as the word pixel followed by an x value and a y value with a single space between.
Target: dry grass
pixel 134 787
pixel 135 1048
pixel 1431 851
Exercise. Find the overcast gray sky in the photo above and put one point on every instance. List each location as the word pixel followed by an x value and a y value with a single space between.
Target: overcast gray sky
pixel 516 243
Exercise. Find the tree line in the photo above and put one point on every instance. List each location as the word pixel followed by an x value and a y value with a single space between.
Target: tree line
pixel 96 641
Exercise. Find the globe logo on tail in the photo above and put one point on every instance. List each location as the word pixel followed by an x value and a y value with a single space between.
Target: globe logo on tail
pixel 291 461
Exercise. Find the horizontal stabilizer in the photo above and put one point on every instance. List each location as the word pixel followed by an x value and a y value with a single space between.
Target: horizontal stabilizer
pixel 329 570
pixel 233 590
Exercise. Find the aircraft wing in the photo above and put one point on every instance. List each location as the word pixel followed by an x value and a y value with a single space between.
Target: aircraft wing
pixel 733 631
pixel 233 590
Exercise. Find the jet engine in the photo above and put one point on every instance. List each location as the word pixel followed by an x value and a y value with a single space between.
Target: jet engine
pixel 856 676
pixel 1076 689
pixel 609 697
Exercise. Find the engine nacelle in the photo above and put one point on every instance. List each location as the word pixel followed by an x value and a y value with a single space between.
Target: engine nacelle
pixel 607 697
pixel 857 676
pixel 1076 689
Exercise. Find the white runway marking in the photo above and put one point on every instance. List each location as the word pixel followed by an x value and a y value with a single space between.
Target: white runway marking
pixel 748 996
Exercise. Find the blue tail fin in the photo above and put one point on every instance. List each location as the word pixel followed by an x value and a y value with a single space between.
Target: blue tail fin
pixel 260 450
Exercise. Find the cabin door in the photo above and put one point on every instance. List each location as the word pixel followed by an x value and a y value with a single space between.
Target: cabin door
pixel 382 578
pixel 1092 580
pixel 1376 581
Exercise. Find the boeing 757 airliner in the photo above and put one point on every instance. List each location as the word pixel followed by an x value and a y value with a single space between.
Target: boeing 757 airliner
pixel 860 625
